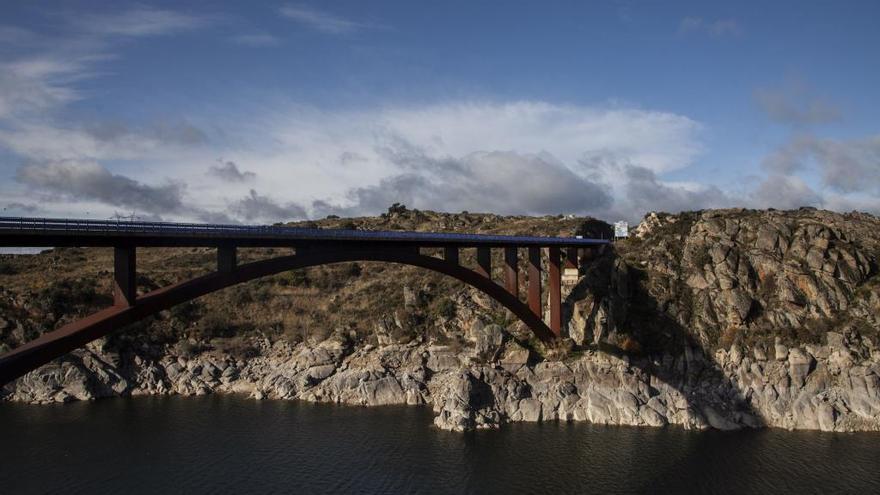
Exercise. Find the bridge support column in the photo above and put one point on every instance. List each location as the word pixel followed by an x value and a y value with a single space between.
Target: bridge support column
pixel 450 254
pixel 535 280
pixel 227 259
pixel 570 271
pixel 124 276
pixel 511 272
pixel 571 258
pixel 484 262
pixel 555 276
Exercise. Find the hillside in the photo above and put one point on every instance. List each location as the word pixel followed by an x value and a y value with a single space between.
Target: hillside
pixel 718 318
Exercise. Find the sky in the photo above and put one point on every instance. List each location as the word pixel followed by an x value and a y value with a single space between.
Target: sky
pixel 276 111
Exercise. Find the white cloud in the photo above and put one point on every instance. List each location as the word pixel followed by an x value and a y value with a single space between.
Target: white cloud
pixel 229 172
pixel 716 28
pixel 39 74
pixel 321 21
pixel 37 84
pixel 91 181
pixel 256 40
pixel 795 104
pixel 315 150
pixel 143 21
pixel 845 166
pixel 516 157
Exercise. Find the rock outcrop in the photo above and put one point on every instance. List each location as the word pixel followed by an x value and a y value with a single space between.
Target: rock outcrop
pixel 825 387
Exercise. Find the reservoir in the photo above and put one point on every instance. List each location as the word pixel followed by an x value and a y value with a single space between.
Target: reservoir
pixel 227 444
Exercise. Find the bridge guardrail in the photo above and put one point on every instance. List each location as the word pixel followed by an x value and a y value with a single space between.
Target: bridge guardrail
pixel 111 227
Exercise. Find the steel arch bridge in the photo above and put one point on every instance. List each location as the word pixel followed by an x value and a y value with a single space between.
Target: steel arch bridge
pixel 312 247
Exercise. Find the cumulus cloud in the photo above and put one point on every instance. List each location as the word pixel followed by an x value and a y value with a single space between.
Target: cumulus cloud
pixel 794 104
pixel 516 157
pixel 257 207
pixel 100 140
pixel 716 28
pixel 20 208
pixel 643 191
pixel 846 166
pixel 229 172
pixel 497 181
pixel 784 192
pixel 320 20
pixel 90 181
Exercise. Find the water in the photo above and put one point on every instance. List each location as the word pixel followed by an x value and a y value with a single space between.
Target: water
pixel 231 445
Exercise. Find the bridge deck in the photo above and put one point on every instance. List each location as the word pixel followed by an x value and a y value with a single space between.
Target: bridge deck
pixel 19 231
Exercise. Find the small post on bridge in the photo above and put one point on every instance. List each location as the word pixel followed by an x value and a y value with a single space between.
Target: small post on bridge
pixel 535 280
pixel 124 276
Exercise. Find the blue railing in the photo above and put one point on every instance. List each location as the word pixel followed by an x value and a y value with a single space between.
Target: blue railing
pixel 9 225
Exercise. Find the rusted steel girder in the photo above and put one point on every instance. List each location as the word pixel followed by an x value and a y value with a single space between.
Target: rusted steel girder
pixel 484 262
pixel 571 258
pixel 227 259
pixel 450 254
pixel 535 280
pixel 124 276
pixel 554 274
pixel 511 271
pixel 54 344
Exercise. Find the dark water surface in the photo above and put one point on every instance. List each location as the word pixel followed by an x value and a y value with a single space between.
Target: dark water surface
pixel 233 445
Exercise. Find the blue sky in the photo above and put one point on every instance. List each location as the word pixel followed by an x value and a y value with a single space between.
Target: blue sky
pixel 215 111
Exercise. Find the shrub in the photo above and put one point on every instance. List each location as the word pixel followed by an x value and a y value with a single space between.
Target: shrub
pixel 446 308
pixel 631 346
pixel 396 208
pixel 191 349
pixel 354 270
pixel 728 337
pixel 214 325
pixel 7 268
pixel 299 278
pixel 72 296
pixel 240 349
pixel 186 313
pixel 703 258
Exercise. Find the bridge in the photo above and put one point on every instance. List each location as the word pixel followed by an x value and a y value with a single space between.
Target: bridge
pixel 309 247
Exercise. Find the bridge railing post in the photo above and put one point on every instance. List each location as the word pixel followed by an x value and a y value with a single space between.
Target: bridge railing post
pixel 535 280
pixel 124 276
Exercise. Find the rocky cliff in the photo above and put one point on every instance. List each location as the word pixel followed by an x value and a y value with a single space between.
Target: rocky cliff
pixel 723 319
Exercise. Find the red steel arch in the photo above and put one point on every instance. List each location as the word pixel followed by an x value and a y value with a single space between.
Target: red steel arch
pixel 54 344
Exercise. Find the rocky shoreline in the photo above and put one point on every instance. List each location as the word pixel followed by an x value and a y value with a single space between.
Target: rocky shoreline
pixel 827 387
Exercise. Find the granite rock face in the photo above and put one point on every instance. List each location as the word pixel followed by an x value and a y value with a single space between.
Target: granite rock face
pixel 814 388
